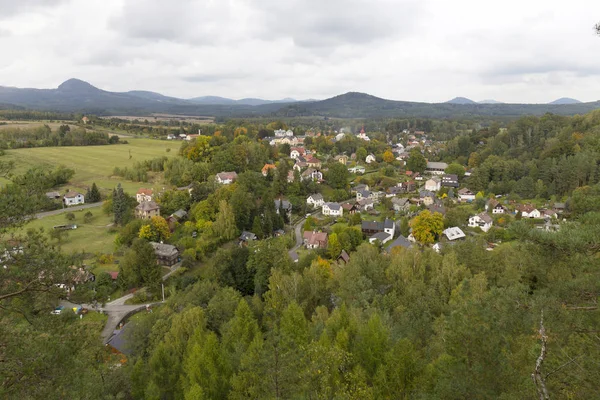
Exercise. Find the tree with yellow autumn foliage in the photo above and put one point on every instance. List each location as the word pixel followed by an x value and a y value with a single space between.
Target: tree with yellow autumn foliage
pixel 156 231
pixel 427 227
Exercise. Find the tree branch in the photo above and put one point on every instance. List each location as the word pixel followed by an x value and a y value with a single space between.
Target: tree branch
pixel 538 378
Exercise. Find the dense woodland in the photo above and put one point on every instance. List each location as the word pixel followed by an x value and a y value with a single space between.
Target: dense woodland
pixel 44 136
pixel 247 322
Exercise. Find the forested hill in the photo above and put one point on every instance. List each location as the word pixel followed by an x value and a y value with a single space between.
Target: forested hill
pixel 78 96
pixel 361 105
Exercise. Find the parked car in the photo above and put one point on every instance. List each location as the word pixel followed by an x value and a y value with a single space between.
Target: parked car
pixel 57 310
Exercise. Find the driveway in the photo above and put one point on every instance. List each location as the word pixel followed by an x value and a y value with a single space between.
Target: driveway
pixel 67 209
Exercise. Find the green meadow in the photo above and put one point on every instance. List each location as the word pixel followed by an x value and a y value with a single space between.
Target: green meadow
pixel 95 163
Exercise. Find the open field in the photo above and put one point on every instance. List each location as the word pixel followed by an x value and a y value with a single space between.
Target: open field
pixel 94 163
pixel 90 238
pixel 33 124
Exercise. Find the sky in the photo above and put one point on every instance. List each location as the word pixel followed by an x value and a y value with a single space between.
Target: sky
pixel 517 51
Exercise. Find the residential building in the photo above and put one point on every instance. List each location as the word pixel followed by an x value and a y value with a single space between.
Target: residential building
pixel 454 233
pixel 296 152
pixel 342 159
pixel 189 138
pixel 427 197
pixel 559 207
pixel 226 178
pixel 450 180
pixel 482 220
pixel 363 136
pixel 246 237
pixel 437 208
pixel 332 209
pixel 394 191
pixel 166 254
pixel 549 214
pixel 436 168
pixel 315 240
pixel 494 207
pixel 528 211
pixel 409 186
pixel 267 168
pixel 147 210
pixel 344 257
pixel 143 195
pixel 370 159
pixel 315 200
pixel 369 228
pixel 465 195
pixel 281 133
pixel 434 184
pixel 73 199
pixel 360 187
pixel 364 194
pixel 284 205
pixel 312 174
pixel 400 242
pixel 400 205
pixel 291 176
pixel 365 204
pixel 313 162
pixel 349 208
pixel 383 237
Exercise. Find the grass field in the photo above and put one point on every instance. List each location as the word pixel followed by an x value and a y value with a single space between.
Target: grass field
pixel 94 163
pixel 89 238
pixel 34 124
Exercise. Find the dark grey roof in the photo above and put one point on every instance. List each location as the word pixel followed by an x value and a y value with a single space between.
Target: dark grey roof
pixel 400 241
pixel 147 206
pixel 371 225
pixel 381 236
pixel 388 224
pixel 286 205
pixel 294 256
pixel 180 214
pixel 317 196
pixel 164 250
pixel 245 236
pixel 426 193
pixel 364 193
pixel 437 165
pixel 334 206
pixel 119 339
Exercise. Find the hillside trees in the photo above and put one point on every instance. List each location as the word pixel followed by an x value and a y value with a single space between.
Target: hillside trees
pixel 416 162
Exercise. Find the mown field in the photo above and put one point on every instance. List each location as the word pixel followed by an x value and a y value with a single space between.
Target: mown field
pixel 95 163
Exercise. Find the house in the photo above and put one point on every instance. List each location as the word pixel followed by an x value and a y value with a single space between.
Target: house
pixel 315 200
pixel 344 257
pixel 495 207
pixel 363 136
pixel 73 198
pixel 315 240
pixel 300 164
pixel 312 174
pixel 370 159
pixel 437 208
pixel 226 178
pixel 166 254
pixel 400 205
pixel 189 138
pixel 53 195
pixel 528 211
pixel 482 220
pixel 409 186
pixel 365 204
pixel 284 205
pixel 426 197
pixel 246 237
pixel 548 214
pixel 360 187
pixel 333 209
pixel 296 152
pixel 454 233
pixel 369 228
pixel 383 237
pixel 268 167
pixel 465 195
pixel 143 195
pixel 85 120
pixel 450 180
pixel 417 176
pixel 436 168
pixel 114 275
pixel 170 136
pixel 291 177
pixel 180 214
pixel 394 191
pixel 342 159
pixel 400 242
pixel 283 133
pixel 313 162
pixel 189 188
pixel 357 170
pixel 559 207
pixel 147 210
pixel 434 184
pixel 364 194
pixel 349 208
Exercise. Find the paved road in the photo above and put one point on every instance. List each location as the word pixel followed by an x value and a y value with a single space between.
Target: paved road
pixel 67 209
pixel 298 235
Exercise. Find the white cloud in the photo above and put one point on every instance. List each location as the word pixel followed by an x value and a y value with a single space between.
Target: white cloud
pixel 430 50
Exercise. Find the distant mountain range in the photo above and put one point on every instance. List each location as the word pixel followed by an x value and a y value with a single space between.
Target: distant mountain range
pixel 75 95
pixel 565 100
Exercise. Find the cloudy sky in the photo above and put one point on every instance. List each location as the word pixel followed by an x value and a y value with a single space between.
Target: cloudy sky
pixel 419 50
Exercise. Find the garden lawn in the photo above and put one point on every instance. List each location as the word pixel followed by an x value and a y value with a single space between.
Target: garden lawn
pixel 95 163
pixel 94 237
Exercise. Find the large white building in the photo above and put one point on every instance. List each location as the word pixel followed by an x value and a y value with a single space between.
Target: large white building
pixel 333 209
pixel 482 220
pixel 73 199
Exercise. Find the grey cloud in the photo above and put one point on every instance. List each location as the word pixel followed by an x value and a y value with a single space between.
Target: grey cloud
pixel 318 23
pixel 13 7
pixel 514 72
pixel 214 77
